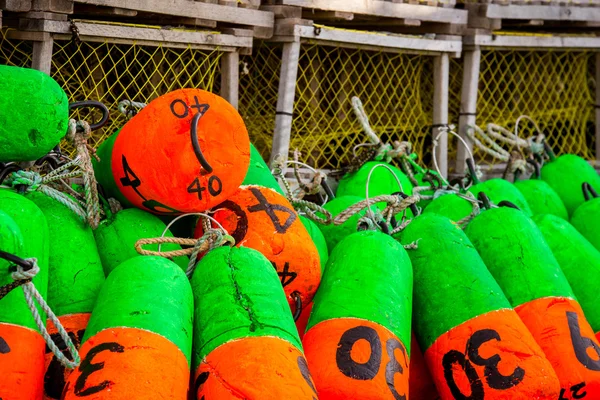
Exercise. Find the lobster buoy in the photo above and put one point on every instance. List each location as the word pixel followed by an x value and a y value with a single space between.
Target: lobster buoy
pixel 34 114
pixel 193 154
pixel 542 199
pixel 245 341
pixel 566 174
pixel 579 261
pixel 517 256
pixel 318 239
pixel 362 344
pixel 382 181
pixel 499 190
pixel 259 172
pixel 138 341
pixel 474 343
pixel 420 383
pixel 302 321
pixel 74 280
pixel 262 219
pixel 586 217
pixel 24 233
pixel 116 237
pixel 335 233
pixel 450 206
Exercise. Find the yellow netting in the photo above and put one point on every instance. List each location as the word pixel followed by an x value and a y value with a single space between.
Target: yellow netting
pixel 110 72
pixel 396 90
pixel 555 88
pixel 17 53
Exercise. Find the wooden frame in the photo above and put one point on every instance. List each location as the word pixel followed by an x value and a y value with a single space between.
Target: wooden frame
pixel 294 35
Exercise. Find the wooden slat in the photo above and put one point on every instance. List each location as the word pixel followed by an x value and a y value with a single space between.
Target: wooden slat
pixel 15 5
pixel 554 42
pixel 185 8
pixel 545 12
pixel 386 9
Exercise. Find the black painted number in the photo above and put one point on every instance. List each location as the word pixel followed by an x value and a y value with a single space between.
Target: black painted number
pixel 393 367
pixel 264 205
pixel 577 392
pixel 4 347
pixel 87 368
pixel 54 379
pixel 492 375
pixel 582 344
pixel 215 186
pixel 303 367
pixel 285 275
pixel 130 178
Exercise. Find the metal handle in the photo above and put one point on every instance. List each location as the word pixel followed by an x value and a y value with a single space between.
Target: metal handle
pixel 93 104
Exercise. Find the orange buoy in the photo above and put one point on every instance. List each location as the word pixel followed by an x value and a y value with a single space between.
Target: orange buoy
pixel 187 151
pixel 262 219
pixel 420 382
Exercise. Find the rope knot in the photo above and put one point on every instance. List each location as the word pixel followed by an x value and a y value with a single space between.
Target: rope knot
pixel 23 274
pixel 30 179
pixel 536 144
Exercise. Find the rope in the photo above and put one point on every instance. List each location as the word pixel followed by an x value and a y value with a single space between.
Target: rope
pixel 474 212
pixel 78 134
pixel 395 205
pixel 114 205
pixel 26 270
pixel 128 107
pixel 494 150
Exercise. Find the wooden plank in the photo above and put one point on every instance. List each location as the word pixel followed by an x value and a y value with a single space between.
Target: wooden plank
pixel 554 42
pixel 285 100
pixel 146 34
pixel 185 8
pixel 468 104
pixel 441 82
pixel 283 11
pixel 42 55
pixel 545 12
pixel 15 5
pixel 45 15
pixel 381 41
pixel 58 6
pixel 252 4
pixel 230 77
pixel 90 10
pixel 328 15
pixel 386 9
pixel 597 106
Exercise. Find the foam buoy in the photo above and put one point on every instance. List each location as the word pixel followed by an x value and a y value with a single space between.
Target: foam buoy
pixel 361 344
pixel 138 341
pixel 116 237
pixel 420 383
pixel 259 172
pixel 74 280
pixel 302 321
pixel 34 114
pixel 517 256
pixel 475 344
pixel 579 261
pixel 542 199
pixel 566 174
pixel 382 181
pixel 245 341
pixel 334 233
pixel 318 239
pixel 586 217
pixel 24 233
pixel 194 154
pixel 262 219
pixel 450 206
pixel 499 190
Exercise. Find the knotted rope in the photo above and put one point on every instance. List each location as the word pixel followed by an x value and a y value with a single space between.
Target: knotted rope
pixel 26 270
pixel 129 108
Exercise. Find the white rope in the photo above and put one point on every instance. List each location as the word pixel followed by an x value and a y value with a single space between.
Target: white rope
pixel 31 294
pixel 451 130
pixel 360 113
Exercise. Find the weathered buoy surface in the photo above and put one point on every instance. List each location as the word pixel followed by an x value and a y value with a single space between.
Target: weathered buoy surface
pixel 318 239
pixel 116 237
pixel 382 181
pixel 579 261
pixel 245 340
pixel 517 256
pixel 259 172
pixel 586 219
pixel 262 219
pixel 358 334
pixel 74 280
pixel 474 343
pixel 335 233
pixel 420 383
pixel 498 190
pixel 450 206
pixel 542 199
pixel 21 344
pixel 138 341
pixel 34 114
pixel 302 321
pixel 566 174
pixel 172 168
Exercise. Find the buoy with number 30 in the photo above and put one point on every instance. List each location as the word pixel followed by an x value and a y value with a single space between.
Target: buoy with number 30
pixel 186 151
pixel 245 340
pixel 522 263
pixel 474 343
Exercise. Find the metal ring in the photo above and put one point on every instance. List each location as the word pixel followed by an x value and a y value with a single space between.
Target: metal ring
pixel 536 168
pixel 471 167
pixel 588 191
pixel 8 169
pixel 298 300
pixel 413 207
pixel 26 265
pixel 196 145
pixel 506 203
pixel 384 227
pixel 327 189
pixel 485 200
pixel 93 104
